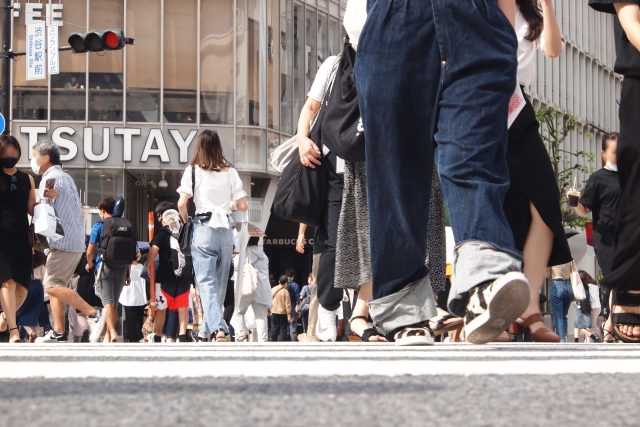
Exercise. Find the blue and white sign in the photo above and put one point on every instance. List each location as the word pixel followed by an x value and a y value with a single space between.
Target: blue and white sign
pixel 2 123
pixel 53 56
pixel 36 59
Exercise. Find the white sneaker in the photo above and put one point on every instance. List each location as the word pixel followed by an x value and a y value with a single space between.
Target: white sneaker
pixel 52 337
pixel 96 325
pixel 493 307
pixel 327 329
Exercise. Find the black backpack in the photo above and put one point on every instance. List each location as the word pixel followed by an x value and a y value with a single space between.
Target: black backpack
pixel 118 244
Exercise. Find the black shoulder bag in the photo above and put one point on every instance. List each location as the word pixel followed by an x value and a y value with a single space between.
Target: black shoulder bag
pixel 186 232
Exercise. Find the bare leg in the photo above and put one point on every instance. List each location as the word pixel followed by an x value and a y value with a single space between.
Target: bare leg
pixel 183 319
pixel 576 334
pixel 111 319
pixel 8 300
pixel 595 312
pixel 159 322
pixel 32 331
pixel 537 250
pixel 60 297
pixel 362 309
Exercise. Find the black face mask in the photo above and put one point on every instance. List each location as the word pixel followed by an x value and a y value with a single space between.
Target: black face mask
pixel 8 162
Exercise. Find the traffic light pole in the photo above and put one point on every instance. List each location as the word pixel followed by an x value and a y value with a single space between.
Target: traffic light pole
pixel 6 64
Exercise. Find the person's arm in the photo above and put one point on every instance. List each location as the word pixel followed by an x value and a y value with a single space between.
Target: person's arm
pixel 552 35
pixel 629 15
pixel 300 242
pixel 508 7
pixel 287 299
pixel 309 151
pixel 127 281
pixel 151 257
pixel 582 210
pixel 32 197
pixel 182 206
pixel 242 205
pixel 91 250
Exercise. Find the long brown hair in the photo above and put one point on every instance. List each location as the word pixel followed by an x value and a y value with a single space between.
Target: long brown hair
pixel 208 154
pixel 532 13
pixel 6 141
pixel 586 278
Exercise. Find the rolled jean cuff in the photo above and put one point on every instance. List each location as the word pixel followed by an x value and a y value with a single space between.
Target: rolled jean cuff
pixel 477 263
pixel 413 304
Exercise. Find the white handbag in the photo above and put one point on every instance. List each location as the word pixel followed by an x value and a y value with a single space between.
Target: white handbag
pixel 249 278
pixel 576 283
pixel 46 222
pixel 282 155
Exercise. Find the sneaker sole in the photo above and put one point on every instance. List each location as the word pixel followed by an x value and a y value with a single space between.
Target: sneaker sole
pixel 415 341
pixel 508 303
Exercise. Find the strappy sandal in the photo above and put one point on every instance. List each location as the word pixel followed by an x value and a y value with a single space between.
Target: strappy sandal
pixel 624 299
pixel 442 328
pixel 607 336
pixel 242 339
pixel 367 333
pixel 543 334
pixel 13 329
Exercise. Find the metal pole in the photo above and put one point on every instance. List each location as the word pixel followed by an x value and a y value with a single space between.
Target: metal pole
pixel 6 64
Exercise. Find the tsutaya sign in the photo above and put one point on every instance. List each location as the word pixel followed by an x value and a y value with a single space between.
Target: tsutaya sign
pixel 130 147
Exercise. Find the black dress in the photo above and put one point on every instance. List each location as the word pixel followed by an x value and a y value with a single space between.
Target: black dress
pixel 601 195
pixel 533 181
pixel 15 252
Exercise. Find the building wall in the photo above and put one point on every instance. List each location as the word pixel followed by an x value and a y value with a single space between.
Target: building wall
pixel 581 81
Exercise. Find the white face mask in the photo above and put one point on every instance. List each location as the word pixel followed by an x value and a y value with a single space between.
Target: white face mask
pixel 611 166
pixel 100 213
pixel 34 166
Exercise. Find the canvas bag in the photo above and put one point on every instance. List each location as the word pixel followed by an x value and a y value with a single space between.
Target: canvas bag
pixel 249 278
pixel 576 283
pixel 46 222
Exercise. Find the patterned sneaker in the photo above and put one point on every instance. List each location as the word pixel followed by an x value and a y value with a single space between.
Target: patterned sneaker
pixel 495 306
pixel 419 334
pixel 52 337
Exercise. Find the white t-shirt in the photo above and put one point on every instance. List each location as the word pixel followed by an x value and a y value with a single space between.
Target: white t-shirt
pixel 135 294
pixel 322 76
pixel 214 190
pixel 594 296
pixel 526 51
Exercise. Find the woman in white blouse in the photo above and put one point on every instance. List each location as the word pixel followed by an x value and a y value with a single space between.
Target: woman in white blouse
pixel 217 190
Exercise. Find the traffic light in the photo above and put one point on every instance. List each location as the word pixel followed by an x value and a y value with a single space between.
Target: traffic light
pixel 98 41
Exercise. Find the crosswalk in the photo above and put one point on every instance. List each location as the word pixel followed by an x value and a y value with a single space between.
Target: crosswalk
pixel 310 359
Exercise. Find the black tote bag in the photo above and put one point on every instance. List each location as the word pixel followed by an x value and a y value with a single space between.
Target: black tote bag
pixel 302 192
pixel 186 232
pixel 342 130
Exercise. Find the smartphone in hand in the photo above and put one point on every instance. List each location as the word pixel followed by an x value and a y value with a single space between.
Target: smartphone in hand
pixel 50 183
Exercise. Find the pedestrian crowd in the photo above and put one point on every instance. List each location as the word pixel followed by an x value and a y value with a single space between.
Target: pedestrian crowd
pixel 429 113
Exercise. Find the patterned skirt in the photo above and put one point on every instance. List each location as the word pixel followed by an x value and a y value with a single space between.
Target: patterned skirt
pixel 353 258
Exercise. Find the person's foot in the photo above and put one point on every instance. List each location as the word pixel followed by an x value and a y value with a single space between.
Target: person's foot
pixel 326 330
pixel 85 336
pixel 32 337
pixel 52 337
pixel 494 306
pixel 182 338
pixel 14 335
pixel 96 323
pixel 419 334
pixel 632 331
pixel 360 325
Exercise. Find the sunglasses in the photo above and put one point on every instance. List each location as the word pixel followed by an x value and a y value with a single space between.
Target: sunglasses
pixel 14 182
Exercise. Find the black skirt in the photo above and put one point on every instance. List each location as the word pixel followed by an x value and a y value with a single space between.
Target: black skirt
pixel 533 181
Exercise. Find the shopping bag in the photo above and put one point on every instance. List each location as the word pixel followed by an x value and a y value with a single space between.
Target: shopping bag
pixel 47 223
pixel 249 278
pixel 576 283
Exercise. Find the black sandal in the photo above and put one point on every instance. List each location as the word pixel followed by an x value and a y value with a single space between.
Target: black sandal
pixel 442 328
pixel 625 299
pixel 367 333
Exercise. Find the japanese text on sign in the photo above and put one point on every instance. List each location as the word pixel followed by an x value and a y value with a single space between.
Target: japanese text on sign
pixel 53 56
pixel 36 65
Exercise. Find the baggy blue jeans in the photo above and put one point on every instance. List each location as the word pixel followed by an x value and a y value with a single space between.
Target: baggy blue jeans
pixel 211 249
pixel 560 298
pixel 435 73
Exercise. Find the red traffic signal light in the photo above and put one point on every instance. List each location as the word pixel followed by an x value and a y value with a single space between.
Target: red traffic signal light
pixel 98 41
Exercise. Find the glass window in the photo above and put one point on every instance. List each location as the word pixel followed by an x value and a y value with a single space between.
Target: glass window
pixel 273 28
pixel 273 141
pixel 311 57
pixel 323 38
pixel 105 68
pixel 104 183
pixel 334 37
pixel 143 61
pixel 68 89
pixel 299 94
pixel 216 59
pixel 251 64
pixel 79 177
pixel 251 149
pixel 30 97
pixel 286 67
pixel 180 60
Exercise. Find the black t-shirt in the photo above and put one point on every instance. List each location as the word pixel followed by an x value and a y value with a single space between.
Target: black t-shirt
pixel 627 56
pixel 162 239
pixel 601 195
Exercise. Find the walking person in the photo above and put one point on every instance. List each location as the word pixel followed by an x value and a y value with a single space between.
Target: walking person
pixel 294 293
pixel 134 299
pixel 17 199
pixel 110 279
pixel 302 307
pixel 531 203
pixel 454 71
pixel 28 315
pixel 280 311
pixel 587 310
pixel 560 298
pixel 260 301
pixel 65 253
pixel 216 191
pixel 600 197
pixel 625 269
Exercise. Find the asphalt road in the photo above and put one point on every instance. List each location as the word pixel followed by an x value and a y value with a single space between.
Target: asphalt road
pixel 253 386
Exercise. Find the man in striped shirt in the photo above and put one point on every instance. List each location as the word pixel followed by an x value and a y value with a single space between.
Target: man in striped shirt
pixel 65 253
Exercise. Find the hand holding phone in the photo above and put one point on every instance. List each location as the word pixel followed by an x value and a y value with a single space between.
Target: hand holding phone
pixel 50 183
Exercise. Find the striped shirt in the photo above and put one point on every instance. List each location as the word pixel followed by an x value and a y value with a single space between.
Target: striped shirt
pixel 68 208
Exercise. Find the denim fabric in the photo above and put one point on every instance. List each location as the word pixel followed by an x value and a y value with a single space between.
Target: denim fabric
pixel 211 250
pixel 560 297
pixel 435 72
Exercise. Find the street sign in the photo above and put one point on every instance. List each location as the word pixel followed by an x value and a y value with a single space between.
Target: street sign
pixel 36 65
pixel 53 56
pixel 2 123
